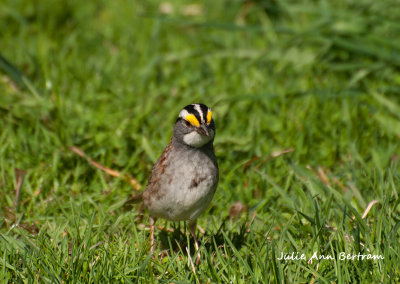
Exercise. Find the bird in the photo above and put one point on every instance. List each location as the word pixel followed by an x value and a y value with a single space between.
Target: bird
pixel 184 179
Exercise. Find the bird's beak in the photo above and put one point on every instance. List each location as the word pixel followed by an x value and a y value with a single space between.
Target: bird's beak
pixel 203 130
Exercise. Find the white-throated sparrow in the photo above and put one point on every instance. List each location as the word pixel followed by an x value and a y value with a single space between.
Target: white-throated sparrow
pixel 183 181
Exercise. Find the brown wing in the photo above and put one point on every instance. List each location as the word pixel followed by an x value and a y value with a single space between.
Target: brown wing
pixel 153 187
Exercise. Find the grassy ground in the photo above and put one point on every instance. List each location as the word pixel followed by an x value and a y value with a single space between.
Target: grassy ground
pixel 305 96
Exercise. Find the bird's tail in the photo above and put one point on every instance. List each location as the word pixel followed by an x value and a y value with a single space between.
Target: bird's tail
pixel 137 198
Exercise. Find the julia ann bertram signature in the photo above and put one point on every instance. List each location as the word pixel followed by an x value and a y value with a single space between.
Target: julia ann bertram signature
pixel 296 256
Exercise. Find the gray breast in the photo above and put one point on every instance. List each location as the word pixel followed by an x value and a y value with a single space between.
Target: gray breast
pixel 187 185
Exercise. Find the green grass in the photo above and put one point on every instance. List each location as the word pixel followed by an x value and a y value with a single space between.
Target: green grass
pixel 318 77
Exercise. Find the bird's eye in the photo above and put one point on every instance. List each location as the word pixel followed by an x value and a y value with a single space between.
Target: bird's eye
pixel 187 123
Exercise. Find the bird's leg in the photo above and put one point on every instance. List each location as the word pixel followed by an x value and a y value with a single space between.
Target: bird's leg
pixel 192 230
pixel 152 222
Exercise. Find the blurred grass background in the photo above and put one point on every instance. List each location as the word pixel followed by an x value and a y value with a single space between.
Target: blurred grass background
pixel 305 96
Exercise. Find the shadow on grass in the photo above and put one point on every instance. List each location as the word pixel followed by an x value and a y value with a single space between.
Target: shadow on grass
pixel 178 239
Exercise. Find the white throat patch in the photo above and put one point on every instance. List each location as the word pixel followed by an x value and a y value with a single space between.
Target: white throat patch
pixel 197 140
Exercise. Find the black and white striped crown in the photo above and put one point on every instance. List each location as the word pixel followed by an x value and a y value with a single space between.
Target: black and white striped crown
pixel 196 114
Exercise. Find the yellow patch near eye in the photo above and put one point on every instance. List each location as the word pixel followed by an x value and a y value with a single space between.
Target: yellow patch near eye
pixel 192 119
pixel 209 114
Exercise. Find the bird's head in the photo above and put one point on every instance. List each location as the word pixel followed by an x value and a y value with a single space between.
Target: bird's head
pixel 195 126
